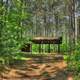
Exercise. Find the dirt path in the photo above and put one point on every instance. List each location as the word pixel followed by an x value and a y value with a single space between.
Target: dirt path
pixel 35 71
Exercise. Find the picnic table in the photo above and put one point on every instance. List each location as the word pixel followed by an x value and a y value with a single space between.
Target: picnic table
pixel 47 40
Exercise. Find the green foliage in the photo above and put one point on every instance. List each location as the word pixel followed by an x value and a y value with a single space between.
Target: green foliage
pixel 74 60
pixel 11 29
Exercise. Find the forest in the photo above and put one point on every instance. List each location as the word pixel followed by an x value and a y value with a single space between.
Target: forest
pixel 39 39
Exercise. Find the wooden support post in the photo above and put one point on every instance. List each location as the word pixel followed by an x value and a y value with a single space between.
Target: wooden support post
pixel 58 48
pixel 39 48
pixel 30 47
pixel 49 48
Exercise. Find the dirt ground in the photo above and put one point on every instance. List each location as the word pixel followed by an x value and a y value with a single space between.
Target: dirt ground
pixel 33 70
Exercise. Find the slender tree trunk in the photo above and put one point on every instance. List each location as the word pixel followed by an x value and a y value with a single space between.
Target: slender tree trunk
pixel 72 23
pixel 1 26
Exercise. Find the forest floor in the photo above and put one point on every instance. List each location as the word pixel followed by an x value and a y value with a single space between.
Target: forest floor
pixel 34 70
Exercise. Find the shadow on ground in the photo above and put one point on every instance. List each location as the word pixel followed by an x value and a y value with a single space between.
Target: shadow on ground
pixel 35 69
